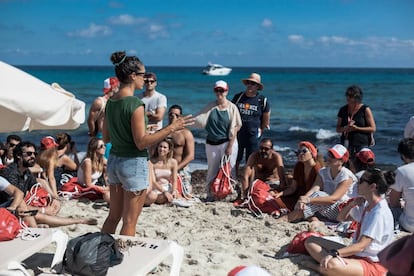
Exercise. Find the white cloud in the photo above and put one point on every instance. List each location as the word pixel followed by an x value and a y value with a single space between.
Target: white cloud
pixel 297 39
pixel 267 23
pixel 92 31
pixel 126 19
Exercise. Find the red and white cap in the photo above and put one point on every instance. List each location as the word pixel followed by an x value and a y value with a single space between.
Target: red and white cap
pixel 48 142
pixel 110 84
pixel 250 270
pixel 221 84
pixel 366 156
pixel 339 152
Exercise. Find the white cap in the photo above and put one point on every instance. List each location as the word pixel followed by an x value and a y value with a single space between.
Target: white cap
pixel 221 84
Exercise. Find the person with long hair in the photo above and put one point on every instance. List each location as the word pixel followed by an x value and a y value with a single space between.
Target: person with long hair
pixel 304 174
pixel 333 185
pixel 48 160
pixel 125 126
pixel 375 232
pixel 93 167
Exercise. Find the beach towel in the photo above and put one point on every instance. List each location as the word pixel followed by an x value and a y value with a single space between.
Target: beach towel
pixel 222 185
pixel 260 201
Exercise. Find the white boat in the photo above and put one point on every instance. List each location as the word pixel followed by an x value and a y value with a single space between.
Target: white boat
pixel 216 70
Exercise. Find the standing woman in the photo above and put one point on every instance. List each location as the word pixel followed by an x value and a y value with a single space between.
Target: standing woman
pixel 125 127
pixel 355 122
pixel 221 119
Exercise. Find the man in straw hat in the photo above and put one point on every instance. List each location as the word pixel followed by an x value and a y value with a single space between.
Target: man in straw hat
pixel 255 114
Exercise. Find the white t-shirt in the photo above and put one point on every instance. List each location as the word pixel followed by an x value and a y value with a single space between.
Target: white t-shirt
pixel 3 183
pixel 376 224
pixel 409 128
pixel 404 183
pixel 330 184
pixel 152 103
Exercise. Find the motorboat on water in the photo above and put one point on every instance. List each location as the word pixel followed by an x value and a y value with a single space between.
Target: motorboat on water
pixel 213 69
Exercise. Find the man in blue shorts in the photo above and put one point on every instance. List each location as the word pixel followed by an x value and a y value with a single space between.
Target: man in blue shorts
pixel 255 114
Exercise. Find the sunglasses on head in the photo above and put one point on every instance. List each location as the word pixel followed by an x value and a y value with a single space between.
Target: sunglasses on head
pixel 30 153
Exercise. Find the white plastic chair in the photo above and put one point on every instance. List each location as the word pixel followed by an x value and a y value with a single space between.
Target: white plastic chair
pixel 143 257
pixel 13 252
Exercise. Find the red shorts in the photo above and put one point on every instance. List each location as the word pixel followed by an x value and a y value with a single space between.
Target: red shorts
pixel 371 268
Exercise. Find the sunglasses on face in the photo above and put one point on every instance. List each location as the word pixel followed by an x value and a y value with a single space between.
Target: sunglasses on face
pixel 362 180
pixel 30 153
pixel 101 146
pixel 171 114
pixel 248 82
pixel 302 151
pixel 149 81
pixel 12 144
pixel 219 90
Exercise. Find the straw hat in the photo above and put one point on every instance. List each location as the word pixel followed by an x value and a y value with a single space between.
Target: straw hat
pixel 254 77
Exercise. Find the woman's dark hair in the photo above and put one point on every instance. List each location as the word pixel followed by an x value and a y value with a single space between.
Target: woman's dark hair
pixel 406 148
pixel 126 65
pixel 354 92
pixel 382 179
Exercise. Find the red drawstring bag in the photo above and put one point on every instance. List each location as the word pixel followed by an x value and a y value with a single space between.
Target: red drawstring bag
pixel 297 245
pixel 260 201
pixel 222 185
pixel 9 225
pixel 72 189
pixel 38 197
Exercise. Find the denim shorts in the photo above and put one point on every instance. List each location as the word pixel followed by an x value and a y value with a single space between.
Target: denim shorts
pixel 131 172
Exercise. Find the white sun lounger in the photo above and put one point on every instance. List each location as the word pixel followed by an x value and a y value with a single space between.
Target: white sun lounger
pixel 146 255
pixel 13 252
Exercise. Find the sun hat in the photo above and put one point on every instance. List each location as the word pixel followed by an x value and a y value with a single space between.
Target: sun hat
pixel 250 270
pixel 254 77
pixel 48 142
pixel 366 156
pixel 339 152
pixel 221 84
pixel 310 147
pixel 150 75
pixel 110 84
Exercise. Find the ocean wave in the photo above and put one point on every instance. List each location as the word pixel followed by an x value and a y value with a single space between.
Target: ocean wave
pixel 321 134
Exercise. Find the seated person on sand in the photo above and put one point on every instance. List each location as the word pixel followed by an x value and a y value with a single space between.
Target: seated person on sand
pixel 333 185
pixel 265 164
pixel 13 201
pixel 305 172
pixel 47 159
pixel 93 167
pixel 375 232
pixel 19 174
pixel 183 142
pixel 66 167
pixel 404 187
pixel 162 169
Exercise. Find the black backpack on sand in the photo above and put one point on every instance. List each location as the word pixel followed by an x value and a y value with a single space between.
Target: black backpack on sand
pixel 91 254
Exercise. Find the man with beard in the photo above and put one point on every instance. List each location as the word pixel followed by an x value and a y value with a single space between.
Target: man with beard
pixel 18 173
pixel 265 164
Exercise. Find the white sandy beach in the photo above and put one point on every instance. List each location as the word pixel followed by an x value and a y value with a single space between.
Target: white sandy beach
pixel 216 237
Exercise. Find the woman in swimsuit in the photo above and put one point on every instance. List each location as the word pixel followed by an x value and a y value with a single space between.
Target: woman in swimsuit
pixel 162 175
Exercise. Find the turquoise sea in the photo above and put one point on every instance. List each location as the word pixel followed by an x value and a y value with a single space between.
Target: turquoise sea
pixel 305 101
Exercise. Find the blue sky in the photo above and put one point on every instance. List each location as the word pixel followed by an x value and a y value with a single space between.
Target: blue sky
pixel 321 33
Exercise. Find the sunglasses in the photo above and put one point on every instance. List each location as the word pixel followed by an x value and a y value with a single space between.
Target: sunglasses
pixel 12 144
pixel 139 73
pixel 30 153
pixel 149 81
pixel 265 148
pixel 171 114
pixel 302 151
pixel 362 180
pixel 219 90
pixel 101 146
pixel 248 82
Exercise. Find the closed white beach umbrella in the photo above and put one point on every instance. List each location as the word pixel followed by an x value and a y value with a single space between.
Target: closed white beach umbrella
pixel 27 103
